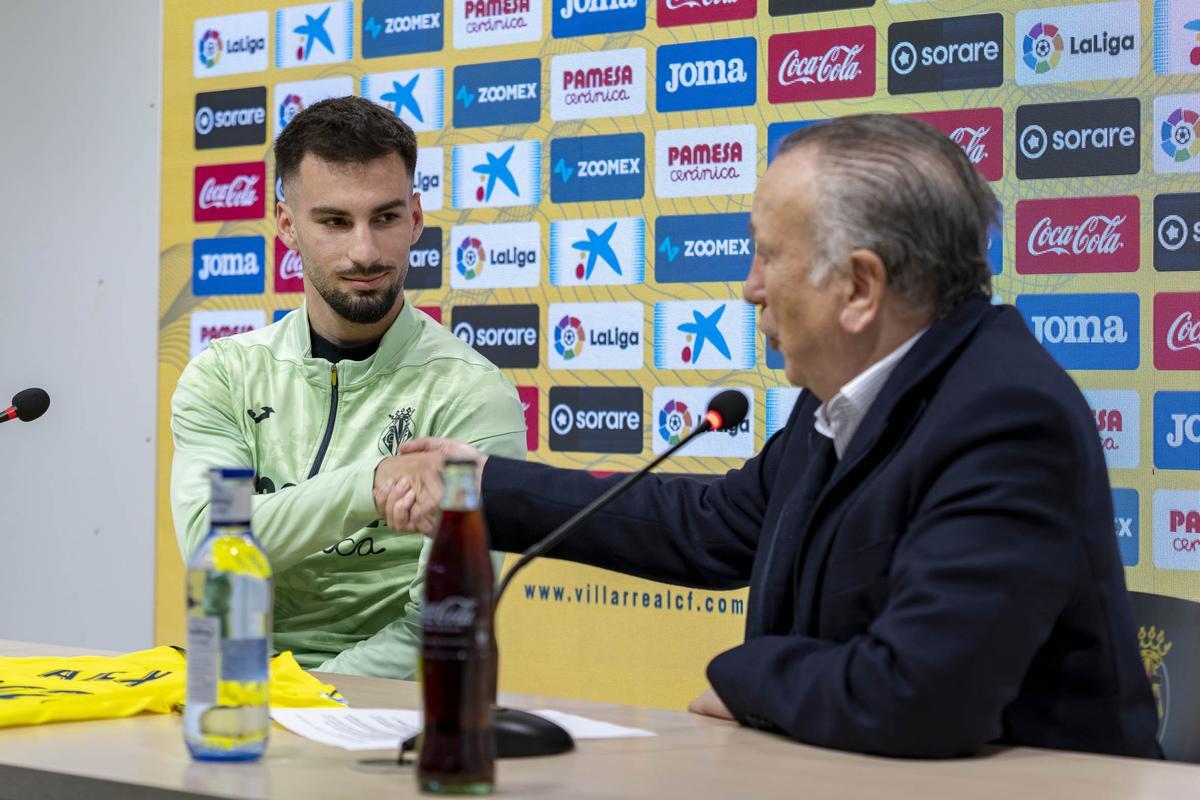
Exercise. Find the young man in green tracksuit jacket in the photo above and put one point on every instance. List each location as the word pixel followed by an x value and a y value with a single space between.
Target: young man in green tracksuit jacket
pixel 319 403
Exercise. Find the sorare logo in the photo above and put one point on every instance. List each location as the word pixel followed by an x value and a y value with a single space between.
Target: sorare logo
pixel 702 248
pixel 318 33
pixel 500 255
pixel 530 400
pixel 694 162
pixel 416 96
pixel 496 174
pixel 821 65
pixel 704 334
pixel 505 335
pixel 1177 331
pixel 591 168
pixel 713 74
pixel 591 17
pixel 229 45
pixel 1078 234
pixel 1118 422
pixel 400 27
pixel 425 261
pixel 292 98
pixel 208 326
pixel 289 269
pixel 978 131
pixel 1177 430
pixel 1100 41
pixel 701 12
pixel 229 265
pixel 1085 331
pixel 489 23
pixel 1177 232
pixel 428 179
pixel 679 409
pixel 597 252
pixel 607 83
pixel 780 403
pixel 1125 524
pixel 782 8
pixel 1073 140
pixel 603 419
pixel 1176 514
pixel 595 335
pixel 944 54
pixel 1177 133
pixel 226 192
pixel 1176 38
pixel 498 93
pixel 233 118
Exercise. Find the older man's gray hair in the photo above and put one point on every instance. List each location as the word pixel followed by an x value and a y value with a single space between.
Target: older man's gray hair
pixel 902 189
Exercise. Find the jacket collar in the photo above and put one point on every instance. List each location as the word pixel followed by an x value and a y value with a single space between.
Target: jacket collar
pixel 395 343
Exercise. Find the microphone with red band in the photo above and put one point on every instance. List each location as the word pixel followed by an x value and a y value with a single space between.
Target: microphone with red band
pixel 727 410
pixel 27 405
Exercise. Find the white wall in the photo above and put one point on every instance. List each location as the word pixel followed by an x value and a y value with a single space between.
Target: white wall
pixel 80 83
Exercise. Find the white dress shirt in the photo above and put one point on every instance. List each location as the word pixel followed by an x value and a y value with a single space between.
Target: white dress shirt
pixel 840 416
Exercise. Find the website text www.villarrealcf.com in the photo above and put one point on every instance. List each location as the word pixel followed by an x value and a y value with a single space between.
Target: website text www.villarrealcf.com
pixel 684 601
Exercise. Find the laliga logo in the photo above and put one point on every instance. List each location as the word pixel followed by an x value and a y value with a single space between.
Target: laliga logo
pixel 568 337
pixel 1184 333
pixel 1081 239
pixel 289 108
pixel 291 267
pixel 241 192
pixel 838 63
pixel 971 141
pixel 1042 48
pixel 674 422
pixel 210 48
pixel 470 258
pixel 1180 134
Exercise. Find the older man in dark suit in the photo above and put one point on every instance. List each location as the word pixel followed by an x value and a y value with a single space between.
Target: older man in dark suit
pixel 928 542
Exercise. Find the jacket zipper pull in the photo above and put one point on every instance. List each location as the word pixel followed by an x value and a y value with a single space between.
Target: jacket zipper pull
pixel 333 376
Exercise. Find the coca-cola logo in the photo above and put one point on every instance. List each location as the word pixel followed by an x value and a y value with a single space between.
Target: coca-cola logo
pixel 1096 234
pixel 1184 333
pixel 838 63
pixel 822 65
pixel 226 192
pixel 978 131
pixel 241 192
pixel 291 267
pixel 1078 234
pixel 1177 330
pixel 972 141
pixel 694 12
pixel 452 614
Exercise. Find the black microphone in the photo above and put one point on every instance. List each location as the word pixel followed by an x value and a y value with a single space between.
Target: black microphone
pixel 27 405
pixel 727 410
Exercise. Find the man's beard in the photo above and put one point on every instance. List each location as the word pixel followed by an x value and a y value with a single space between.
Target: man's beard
pixel 357 307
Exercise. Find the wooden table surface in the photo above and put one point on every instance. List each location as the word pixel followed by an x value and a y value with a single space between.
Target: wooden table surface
pixel 692 757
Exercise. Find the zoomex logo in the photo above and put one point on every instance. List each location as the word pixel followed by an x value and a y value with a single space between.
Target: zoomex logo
pixel 208 326
pixel 596 252
pixel 607 83
pixel 700 248
pixel 1177 231
pixel 487 23
pixel 505 335
pixel 676 412
pixel 978 131
pixel 1085 331
pixel 1078 43
pixel 1071 140
pixel 229 45
pixel 496 174
pixel 940 54
pixel 229 265
pixel 1177 124
pixel 595 335
pixel 1177 430
pixel 716 74
pixel 232 118
pixel 224 192
pixel 590 17
pixel 289 269
pixel 1117 415
pixel 693 162
pixel 292 98
pixel 589 168
pixel 704 334
pixel 320 33
pixel 1176 529
pixel 506 254
pixel 1125 524
pixel 398 27
pixel 415 96
pixel 698 12
pixel 501 93
pixel 1078 234
pixel 596 419
pixel 821 65
pixel 425 261
pixel 1177 330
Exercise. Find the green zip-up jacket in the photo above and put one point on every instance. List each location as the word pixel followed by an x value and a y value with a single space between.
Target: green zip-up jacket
pixel 347 588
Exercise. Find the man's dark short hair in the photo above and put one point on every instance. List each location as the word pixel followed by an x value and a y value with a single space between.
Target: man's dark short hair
pixel 344 130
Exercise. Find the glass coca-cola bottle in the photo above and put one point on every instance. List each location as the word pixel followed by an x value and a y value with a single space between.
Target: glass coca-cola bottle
pixel 458 653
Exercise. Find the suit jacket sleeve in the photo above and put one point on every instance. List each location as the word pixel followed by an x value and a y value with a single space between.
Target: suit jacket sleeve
pixel 976 582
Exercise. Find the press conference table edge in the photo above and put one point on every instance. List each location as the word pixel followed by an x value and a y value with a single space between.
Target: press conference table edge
pixel 144 757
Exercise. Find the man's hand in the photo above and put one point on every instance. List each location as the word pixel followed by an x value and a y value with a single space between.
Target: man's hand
pixel 709 705
pixel 407 491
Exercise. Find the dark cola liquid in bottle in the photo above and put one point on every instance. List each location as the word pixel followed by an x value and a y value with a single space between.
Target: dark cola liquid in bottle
pixel 458 651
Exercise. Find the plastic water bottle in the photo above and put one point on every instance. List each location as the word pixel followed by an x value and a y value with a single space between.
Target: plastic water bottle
pixel 228 630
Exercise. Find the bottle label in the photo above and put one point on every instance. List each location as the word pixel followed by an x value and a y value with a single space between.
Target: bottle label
pixel 203 659
pixel 452 614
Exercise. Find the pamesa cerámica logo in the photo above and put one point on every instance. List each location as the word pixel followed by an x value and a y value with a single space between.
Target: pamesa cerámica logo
pixel 320 33
pixel 1078 43
pixel 500 255
pixel 595 335
pixel 714 74
pixel 489 23
pixel 607 83
pixel 704 334
pixel 400 27
pixel 591 168
pixel 231 44
pixel 591 17
pixel 1118 422
pixel 496 174
pixel 702 248
pixel 416 96
pixel 499 93
pixel 1177 122
pixel 597 252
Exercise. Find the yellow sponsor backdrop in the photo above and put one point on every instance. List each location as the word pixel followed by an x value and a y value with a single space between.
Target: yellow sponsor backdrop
pixel 645 643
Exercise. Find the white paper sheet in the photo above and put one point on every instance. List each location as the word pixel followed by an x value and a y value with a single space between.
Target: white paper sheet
pixel 586 728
